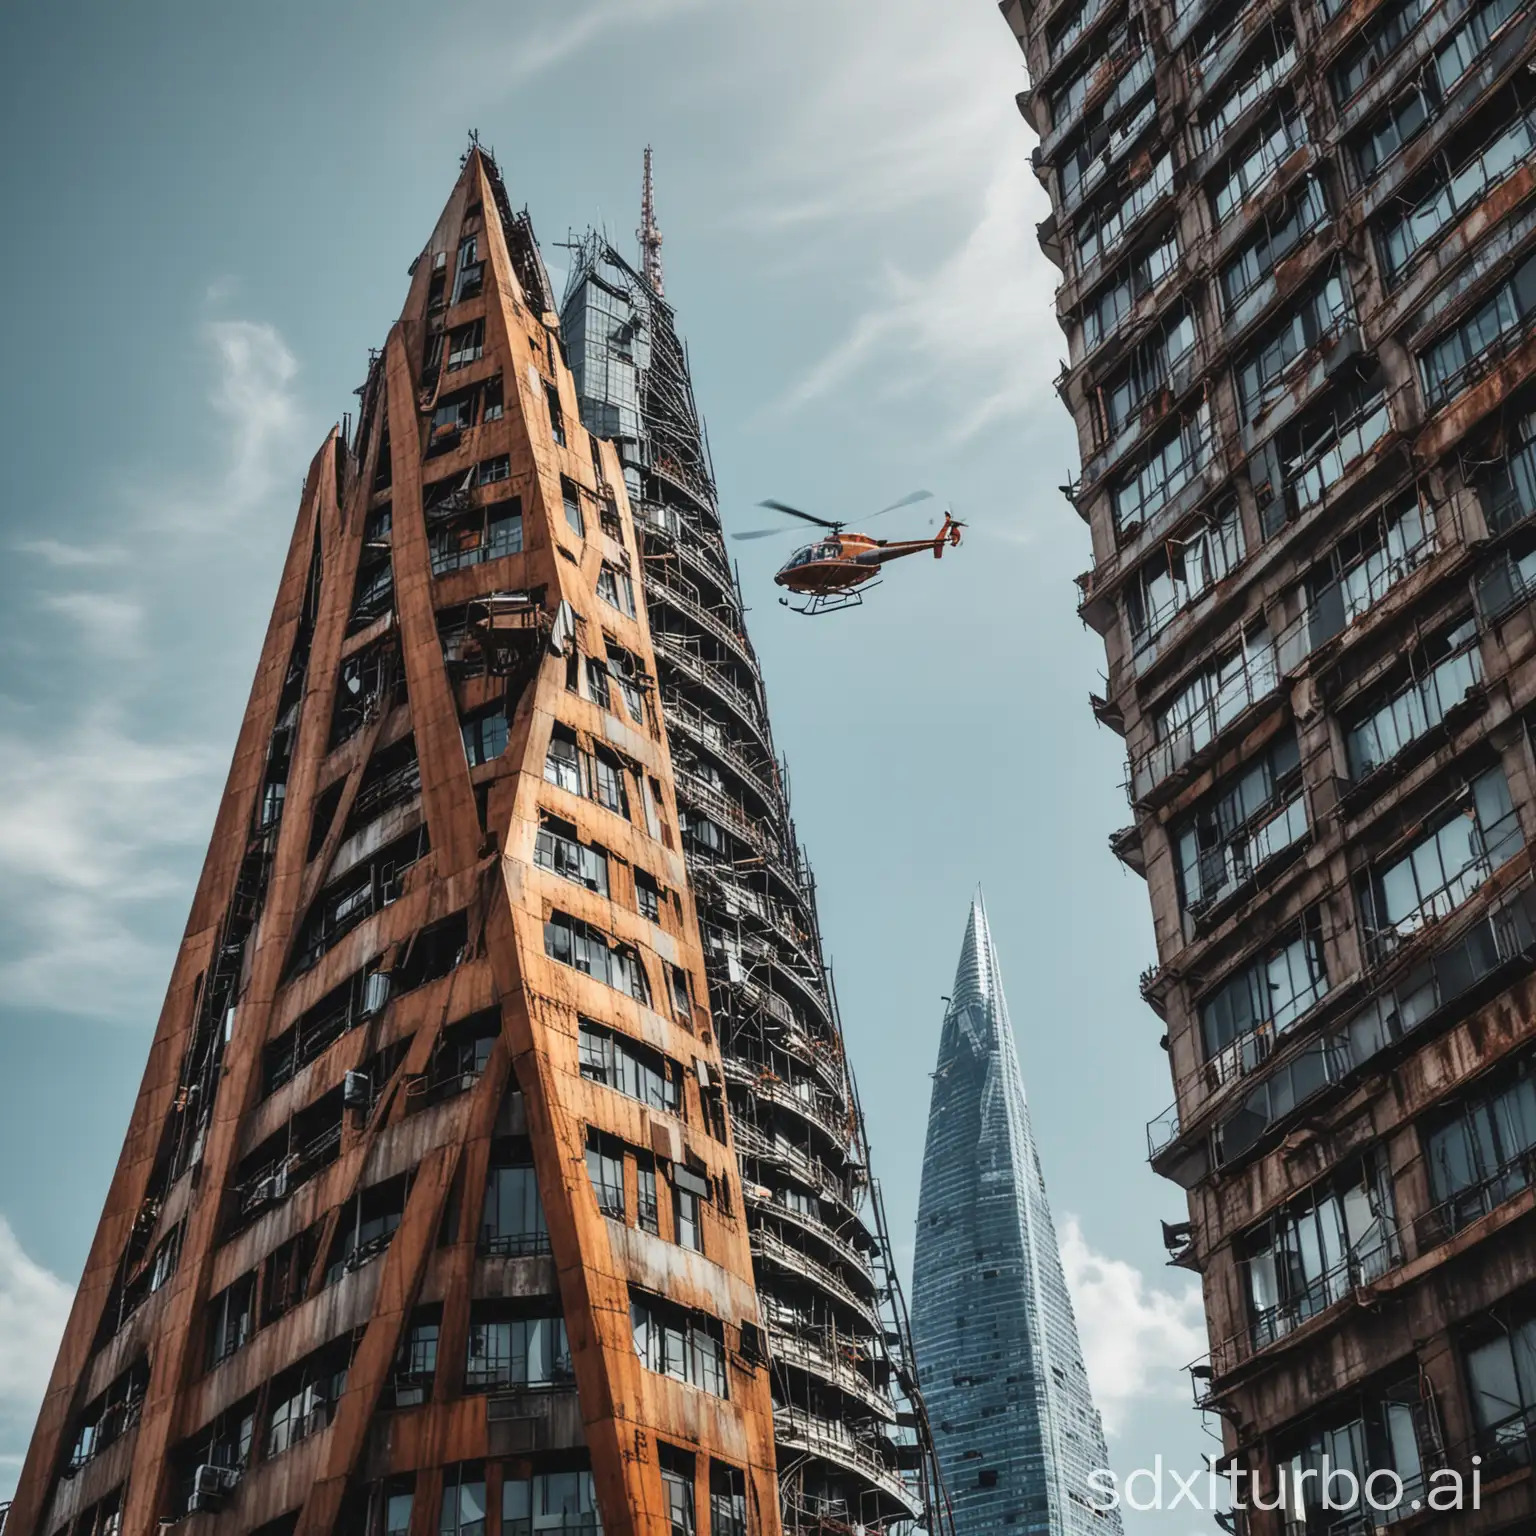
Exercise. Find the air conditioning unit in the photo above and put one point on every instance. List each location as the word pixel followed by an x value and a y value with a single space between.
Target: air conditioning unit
pixel 376 992
pixel 357 1091
pixel 273 1187
pixel 210 1485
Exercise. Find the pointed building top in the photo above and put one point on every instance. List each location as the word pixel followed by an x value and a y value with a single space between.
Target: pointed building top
pixel 649 233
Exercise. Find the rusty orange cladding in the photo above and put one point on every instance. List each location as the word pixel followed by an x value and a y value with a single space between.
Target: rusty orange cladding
pixel 443 936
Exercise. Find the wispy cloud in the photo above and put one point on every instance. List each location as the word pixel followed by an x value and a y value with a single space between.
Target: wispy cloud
pixel 56 552
pixel 544 48
pixel 106 795
pixel 1137 1337
pixel 34 1306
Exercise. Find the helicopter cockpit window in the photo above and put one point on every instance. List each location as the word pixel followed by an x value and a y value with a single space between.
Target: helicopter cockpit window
pixel 825 552
pixel 803 556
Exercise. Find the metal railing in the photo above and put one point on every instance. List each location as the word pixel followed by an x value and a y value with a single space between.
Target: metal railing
pixel 1442 1222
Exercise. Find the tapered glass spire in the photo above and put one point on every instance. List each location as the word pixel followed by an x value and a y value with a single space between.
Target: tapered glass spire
pixel 1014 1423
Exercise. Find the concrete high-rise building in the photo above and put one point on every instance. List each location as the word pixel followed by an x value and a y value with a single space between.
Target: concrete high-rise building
pixel 1298 253
pixel 853 1446
pixel 429 1221
pixel 1017 1434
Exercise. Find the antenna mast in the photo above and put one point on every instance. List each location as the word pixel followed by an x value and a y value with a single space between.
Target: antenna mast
pixel 649 233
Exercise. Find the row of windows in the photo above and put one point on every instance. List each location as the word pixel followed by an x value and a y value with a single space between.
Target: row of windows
pixel 608 1158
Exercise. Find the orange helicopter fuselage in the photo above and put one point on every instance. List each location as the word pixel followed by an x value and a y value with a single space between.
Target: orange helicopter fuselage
pixel 841 561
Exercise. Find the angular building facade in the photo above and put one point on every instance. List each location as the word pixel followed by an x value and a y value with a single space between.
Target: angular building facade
pixel 1298 254
pixel 853 1446
pixel 429 1221
pixel 1017 1434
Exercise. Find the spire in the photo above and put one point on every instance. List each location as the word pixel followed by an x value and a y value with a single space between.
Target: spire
pixel 649 233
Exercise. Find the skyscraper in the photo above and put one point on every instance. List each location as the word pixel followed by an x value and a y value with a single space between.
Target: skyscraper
pixel 853 1447
pixel 1298 253
pixel 429 1221
pixel 1014 1423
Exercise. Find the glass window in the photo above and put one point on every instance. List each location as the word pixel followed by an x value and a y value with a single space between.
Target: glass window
pixel 1242 1017
pixel 562 766
pixel 463 1502
pixel 727 1500
pixel 1478 1150
pixel 690 1229
pixel 465 344
pixel 517 1352
pixel 677 1489
pixel 647 1215
pixel 605 1167
pixel 1384 1437
pixel 1181 572
pixel 558 850
pixel 1319 314
pixel 1282 133
pixel 512 1220
pixel 485 737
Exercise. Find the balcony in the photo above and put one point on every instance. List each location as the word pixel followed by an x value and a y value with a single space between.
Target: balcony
pixel 866 1455
pixel 769 1246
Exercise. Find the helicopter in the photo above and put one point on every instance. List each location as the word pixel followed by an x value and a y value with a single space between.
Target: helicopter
pixel 829 573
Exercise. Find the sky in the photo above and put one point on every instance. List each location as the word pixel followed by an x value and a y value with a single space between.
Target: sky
pixel 212 209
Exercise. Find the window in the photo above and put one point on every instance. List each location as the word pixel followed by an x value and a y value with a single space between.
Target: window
pixel 512 1219
pixel 1502 1376
pixel 463 1502
pixel 1242 824
pixel 625 675
pixel 1432 878
pixel 1399 121
pixel 675 1342
pixel 615 588
pixel 417 1364
pixel 367 1223
pixel 1271 66
pixel 682 1000
pixel 550 1501
pixel 397 1511
pixel 461 1055
pixel 588 949
pixel 1219 694
pixel 1382 1435
pixel 1151 368
pixel 647 1212
pixel 688 1224
pixel 487 533
pixel 1448 190
pixel 516 1352
pixel 1316 453
pixel 1113 302
pixel 305 1399
pixel 493 411
pixel 632 1068
pixel 597 683
pixel 489 471
pixel 1322 313
pixel 677 1488
pixel 727 1499
pixel 605 1167
pixel 1103 231
pixel 647 896
pixel 465 344
pixel 1365 565
pixel 1163 472
pixel 559 851
pixel 556 418
pixel 1107 132
pixel 1456 57
pixel 485 736
pixel 232 1318
pixel 1508 490
pixel 608 783
pixel 1451 363
pixel 471 271
pixel 1478 1151
pixel 1181 572
pixel 562 765
pixel 1339 1235
pixel 1443 671
pixel 1380 38
pixel 1283 132
pixel 1303 212
pixel 1241 1019
pixel 570 499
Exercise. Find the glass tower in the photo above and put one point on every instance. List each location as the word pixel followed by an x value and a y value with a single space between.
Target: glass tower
pixel 1007 1393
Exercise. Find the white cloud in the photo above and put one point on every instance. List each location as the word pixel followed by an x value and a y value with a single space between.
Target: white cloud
pixel 34 1306
pixel 58 553
pixel 255 397
pixel 89 822
pixel 1137 1338
pixel 104 621
pixel 544 49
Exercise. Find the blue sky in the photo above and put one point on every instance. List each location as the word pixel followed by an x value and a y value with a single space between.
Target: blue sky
pixel 211 213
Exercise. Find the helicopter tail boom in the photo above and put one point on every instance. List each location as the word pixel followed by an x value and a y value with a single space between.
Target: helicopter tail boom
pixel 950 531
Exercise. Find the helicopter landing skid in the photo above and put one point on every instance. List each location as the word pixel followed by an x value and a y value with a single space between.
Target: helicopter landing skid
pixel 830 602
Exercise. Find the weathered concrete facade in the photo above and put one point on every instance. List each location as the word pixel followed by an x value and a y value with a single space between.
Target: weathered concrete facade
pixel 1299 295
pixel 426 1221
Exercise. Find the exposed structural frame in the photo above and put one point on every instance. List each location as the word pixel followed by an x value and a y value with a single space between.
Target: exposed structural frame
pixel 854 1449
pixel 429 1218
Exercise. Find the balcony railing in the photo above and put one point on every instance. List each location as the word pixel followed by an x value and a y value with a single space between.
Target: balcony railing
pixel 1444 1221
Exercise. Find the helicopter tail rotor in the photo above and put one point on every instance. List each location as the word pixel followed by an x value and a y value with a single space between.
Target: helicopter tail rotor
pixel 950 532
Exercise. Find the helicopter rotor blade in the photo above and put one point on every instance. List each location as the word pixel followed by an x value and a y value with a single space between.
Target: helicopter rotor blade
pixel 906 501
pixel 806 517
pixel 761 533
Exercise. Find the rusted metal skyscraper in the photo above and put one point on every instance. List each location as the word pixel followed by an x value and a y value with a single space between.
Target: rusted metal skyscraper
pixel 853 1446
pixel 429 1221
pixel 1298 254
